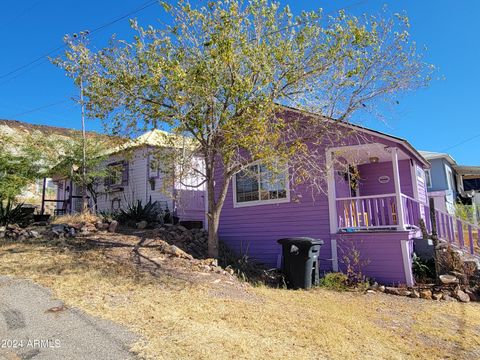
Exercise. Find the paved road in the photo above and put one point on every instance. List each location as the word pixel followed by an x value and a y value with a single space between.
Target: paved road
pixel 35 326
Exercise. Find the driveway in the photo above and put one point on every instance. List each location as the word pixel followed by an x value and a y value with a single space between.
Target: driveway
pixel 33 325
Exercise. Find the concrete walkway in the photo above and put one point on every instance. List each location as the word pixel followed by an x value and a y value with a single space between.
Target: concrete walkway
pixel 34 326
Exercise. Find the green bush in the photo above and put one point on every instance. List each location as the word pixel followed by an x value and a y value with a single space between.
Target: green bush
pixel 423 270
pixel 12 214
pixel 334 281
pixel 136 212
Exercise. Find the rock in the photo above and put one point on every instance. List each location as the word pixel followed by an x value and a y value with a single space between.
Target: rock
pixel 373 287
pixel 381 288
pixel 34 234
pixel 447 297
pixel 58 229
pixel 448 279
pixel 2 234
pixel 473 296
pixel 414 294
pixel 370 291
pixel 76 226
pixel 182 228
pixel 72 232
pixel 3 228
pixel 462 296
pixel 426 294
pixel 142 225
pixel 112 227
pixel 437 296
pixel 396 291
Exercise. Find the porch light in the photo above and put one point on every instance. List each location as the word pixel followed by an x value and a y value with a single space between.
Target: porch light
pixel 373 159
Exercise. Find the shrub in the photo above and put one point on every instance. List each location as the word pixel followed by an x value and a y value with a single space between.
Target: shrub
pixel 136 212
pixel 335 281
pixel 12 214
pixel 423 270
pixel 247 269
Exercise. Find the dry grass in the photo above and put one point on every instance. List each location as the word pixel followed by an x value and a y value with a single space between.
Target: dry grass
pixel 76 219
pixel 178 319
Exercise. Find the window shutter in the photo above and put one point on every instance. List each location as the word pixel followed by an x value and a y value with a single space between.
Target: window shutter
pixel 125 174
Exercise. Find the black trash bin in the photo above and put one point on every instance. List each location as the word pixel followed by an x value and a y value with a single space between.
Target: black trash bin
pixel 300 261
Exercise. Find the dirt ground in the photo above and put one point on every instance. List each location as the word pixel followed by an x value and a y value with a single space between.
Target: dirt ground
pixel 181 310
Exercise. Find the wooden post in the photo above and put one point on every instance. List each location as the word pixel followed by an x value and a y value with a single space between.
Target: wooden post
pixel 433 222
pixel 42 211
pixel 398 190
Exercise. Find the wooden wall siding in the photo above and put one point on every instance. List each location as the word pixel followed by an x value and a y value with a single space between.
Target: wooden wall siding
pixel 191 206
pixel 256 229
pixel 421 184
pixel 381 254
pixel 369 174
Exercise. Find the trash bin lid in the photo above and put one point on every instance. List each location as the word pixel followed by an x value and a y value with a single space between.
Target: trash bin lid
pixel 300 241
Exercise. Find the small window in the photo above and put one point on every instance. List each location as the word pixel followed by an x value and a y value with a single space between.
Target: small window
pixel 116 204
pixel 428 178
pixel 154 168
pixel 117 174
pixel 258 185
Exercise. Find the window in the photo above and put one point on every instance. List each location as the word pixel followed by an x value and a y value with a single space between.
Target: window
pixel 257 185
pixel 428 178
pixel 450 180
pixel 154 168
pixel 117 174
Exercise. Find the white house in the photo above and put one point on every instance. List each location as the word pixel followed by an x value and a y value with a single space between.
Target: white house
pixel 137 172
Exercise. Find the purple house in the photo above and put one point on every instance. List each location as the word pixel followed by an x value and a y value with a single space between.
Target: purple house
pixel 372 209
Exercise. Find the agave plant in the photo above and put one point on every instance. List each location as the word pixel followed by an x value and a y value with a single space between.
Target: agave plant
pixel 136 212
pixel 11 213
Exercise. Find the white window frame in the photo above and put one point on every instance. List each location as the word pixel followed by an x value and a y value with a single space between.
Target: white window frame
pixel 428 178
pixel 259 202
pixel 450 179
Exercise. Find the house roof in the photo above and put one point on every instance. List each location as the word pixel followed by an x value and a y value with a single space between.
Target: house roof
pixel 466 170
pixel 430 155
pixel 155 138
pixel 393 138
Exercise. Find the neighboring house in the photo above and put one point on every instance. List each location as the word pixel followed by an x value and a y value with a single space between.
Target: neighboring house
pixel 379 219
pixel 15 129
pixel 443 182
pixel 135 174
pixel 469 184
pixel 449 183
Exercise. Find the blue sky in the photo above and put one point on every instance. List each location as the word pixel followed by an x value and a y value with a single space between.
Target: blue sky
pixel 441 117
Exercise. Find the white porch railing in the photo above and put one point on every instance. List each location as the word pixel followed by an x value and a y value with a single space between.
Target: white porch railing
pixel 379 212
pixel 367 212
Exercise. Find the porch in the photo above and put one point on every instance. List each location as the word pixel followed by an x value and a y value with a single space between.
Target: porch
pixel 374 187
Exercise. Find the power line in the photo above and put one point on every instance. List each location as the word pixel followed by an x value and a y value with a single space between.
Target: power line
pixel 462 142
pixel 134 11
pixel 39 108
pixel 114 21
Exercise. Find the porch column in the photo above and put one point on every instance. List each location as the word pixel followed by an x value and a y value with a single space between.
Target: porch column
pixel 42 211
pixel 332 198
pixel 332 207
pixel 398 191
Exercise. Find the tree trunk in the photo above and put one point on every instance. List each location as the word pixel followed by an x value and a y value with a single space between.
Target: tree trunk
pixel 213 222
pixel 215 205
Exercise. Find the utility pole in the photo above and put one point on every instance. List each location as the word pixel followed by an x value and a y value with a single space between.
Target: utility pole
pixel 84 155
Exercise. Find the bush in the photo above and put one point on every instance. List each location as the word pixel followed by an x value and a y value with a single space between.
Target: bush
pixel 249 270
pixel 423 270
pixel 136 212
pixel 335 281
pixel 12 214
